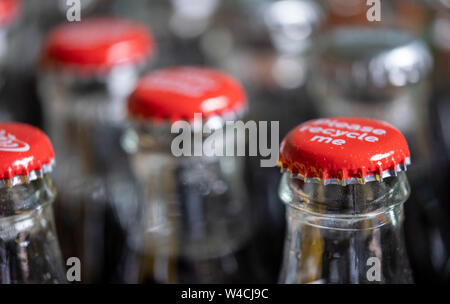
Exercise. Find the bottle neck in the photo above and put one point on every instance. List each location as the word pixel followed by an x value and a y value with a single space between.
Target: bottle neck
pixel 359 200
pixel 349 234
pixel 205 141
pixel 29 247
pixel 24 198
pixel 86 100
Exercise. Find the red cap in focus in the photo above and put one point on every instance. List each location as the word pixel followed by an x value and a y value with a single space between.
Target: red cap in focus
pixel 344 150
pixel 97 44
pixel 178 93
pixel 26 154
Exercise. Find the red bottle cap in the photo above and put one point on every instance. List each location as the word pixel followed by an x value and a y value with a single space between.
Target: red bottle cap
pixel 97 44
pixel 26 154
pixel 177 93
pixel 9 10
pixel 344 150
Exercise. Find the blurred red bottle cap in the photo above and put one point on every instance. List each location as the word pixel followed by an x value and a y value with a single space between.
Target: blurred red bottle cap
pixel 97 44
pixel 344 150
pixel 26 154
pixel 178 93
pixel 9 10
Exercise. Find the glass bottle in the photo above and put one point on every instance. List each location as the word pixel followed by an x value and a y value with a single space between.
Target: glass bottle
pixel 267 45
pixel 176 24
pixel 87 71
pixel 377 73
pixel 196 218
pixel 440 41
pixel 269 51
pixel 440 111
pixel 36 18
pixel 189 21
pixel 282 67
pixel 344 189
pixel 9 11
pixel 191 18
pixel 384 74
pixel 29 250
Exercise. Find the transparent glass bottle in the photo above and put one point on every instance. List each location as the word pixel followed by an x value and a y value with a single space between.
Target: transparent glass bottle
pixel 377 73
pixel 25 39
pixel 9 11
pixel 440 41
pixel 191 18
pixel 176 24
pixel 268 45
pixel 84 83
pixel 196 219
pixel 344 203
pixel 277 70
pixel 384 74
pixel 29 250
pixel 334 230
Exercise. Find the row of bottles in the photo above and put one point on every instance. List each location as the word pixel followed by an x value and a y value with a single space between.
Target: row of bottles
pixel 344 197
pixel 132 212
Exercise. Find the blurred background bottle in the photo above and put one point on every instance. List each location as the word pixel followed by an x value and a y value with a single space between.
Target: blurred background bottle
pixel 178 25
pixel 87 71
pixel 281 71
pixel 29 250
pixel 196 221
pixel 36 18
pixel 9 12
pixel 385 74
pixel 267 45
pixel 440 41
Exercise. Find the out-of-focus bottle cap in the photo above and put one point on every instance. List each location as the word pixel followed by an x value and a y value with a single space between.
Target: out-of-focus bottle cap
pixel 178 93
pixel 26 154
pixel 344 150
pixel 97 44
pixel 9 10
pixel 365 57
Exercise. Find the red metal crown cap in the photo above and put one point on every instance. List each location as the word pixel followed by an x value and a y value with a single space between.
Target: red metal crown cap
pixel 179 92
pixel 9 10
pixel 26 154
pixel 344 150
pixel 98 43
